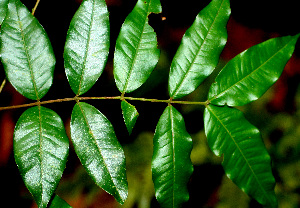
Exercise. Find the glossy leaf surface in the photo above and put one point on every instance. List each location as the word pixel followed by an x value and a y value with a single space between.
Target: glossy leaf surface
pixel 98 149
pixel 58 202
pixel 250 74
pixel 41 148
pixel 87 45
pixel 200 49
pixel 136 53
pixel 3 10
pixel 26 52
pixel 171 163
pixel 130 115
pixel 245 158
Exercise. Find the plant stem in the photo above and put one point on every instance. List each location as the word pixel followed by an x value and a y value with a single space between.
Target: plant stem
pixel 35 6
pixel 100 98
pixel 147 100
pixel 2 85
pixel 36 103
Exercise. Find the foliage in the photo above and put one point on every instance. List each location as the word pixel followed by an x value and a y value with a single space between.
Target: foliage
pixel 41 145
pixel 87 45
pixel 26 52
pixel 171 163
pixel 99 151
pixel 41 148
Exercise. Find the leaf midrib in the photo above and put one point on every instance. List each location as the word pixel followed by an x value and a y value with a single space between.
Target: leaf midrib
pixel 254 71
pixel 173 154
pixel 86 49
pixel 196 56
pixel 27 53
pixel 94 140
pixel 136 51
pixel 240 150
pixel 41 151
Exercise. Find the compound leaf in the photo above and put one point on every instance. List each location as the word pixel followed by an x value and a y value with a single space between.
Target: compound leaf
pixel 87 45
pixel 130 115
pixel 41 149
pixel 171 163
pixel 245 158
pixel 3 10
pixel 136 53
pixel 200 48
pixel 98 149
pixel 251 73
pixel 26 52
pixel 58 202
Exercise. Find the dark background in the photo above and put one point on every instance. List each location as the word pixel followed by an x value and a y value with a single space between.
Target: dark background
pixel 276 114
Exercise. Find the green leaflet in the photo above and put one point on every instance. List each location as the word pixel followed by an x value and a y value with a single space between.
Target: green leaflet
pixel 130 115
pixel 26 52
pixel 200 48
pixel 3 10
pixel 87 45
pixel 246 160
pixel 41 148
pixel 251 73
pixel 98 149
pixel 171 163
pixel 136 53
pixel 58 202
